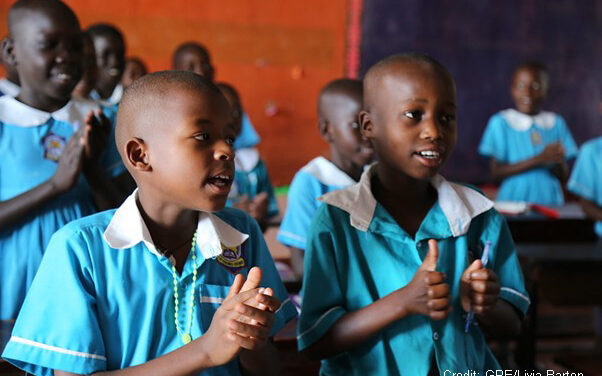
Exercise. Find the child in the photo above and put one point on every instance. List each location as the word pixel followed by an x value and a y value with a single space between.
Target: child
pixel 134 69
pixel 252 189
pixel 529 147
pixel 339 104
pixel 90 72
pixel 153 287
pixel 396 250
pixel 9 85
pixel 110 61
pixel 194 57
pixel 50 173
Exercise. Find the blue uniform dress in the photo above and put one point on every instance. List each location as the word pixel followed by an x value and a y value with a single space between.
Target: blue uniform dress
pixel 586 178
pixel 358 254
pixel 31 142
pixel 316 178
pixel 512 137
pixel 251 178
pixel 248 137
pixel 107 294
pixel 8 88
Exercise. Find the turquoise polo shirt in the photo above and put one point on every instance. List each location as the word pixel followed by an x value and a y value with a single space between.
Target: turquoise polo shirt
pixel 31 142
pixel 316 178
pixel 103 298
pixel 586 178
pixel 512 137
pixel 358 254
pixel 251 178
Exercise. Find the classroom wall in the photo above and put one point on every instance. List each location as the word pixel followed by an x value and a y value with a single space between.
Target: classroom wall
pixel 277 53
pixel 481 41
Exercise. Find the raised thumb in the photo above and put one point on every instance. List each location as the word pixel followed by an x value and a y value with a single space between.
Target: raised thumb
pixel 430 261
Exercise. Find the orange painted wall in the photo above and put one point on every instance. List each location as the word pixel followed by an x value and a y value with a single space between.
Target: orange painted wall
pixel 260 46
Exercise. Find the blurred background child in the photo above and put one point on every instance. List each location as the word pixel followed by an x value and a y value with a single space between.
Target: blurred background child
pixel 109 46
pixel 9 85
pixel 134 69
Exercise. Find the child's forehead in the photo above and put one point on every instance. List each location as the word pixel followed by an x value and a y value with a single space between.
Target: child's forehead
pixel 43 20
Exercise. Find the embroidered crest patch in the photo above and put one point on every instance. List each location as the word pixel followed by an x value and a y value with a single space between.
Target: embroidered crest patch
pixel 53 146
pixel 536 138
pixel 232 258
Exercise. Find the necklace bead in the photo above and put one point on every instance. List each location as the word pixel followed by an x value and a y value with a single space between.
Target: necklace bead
pixel 185 337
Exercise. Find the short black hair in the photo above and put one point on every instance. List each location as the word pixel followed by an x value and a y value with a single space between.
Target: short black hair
pixel 534 66
pixel 17 10
pixel 105 29
pixel 349 87
pixel 189 46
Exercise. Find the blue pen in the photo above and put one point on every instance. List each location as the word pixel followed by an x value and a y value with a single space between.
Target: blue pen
pixel 484 259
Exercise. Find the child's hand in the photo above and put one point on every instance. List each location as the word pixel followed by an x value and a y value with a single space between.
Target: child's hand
pixel 242 203
pixel 258 207
pixel 553 153
pixel 96 134
pixel 428 292
pixel 479 288
pixel 238 324
pixel 70 163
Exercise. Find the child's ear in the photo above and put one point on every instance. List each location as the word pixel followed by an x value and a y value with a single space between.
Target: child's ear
pixel 366 125
pixel 136 154
pixel 325 129
pixel 8 54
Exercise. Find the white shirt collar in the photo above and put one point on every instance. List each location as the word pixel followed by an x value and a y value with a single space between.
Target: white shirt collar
pixel 115 97
pixel 16 113
pixel 127 229
pixel 459 204
pixel 523 122
pixel 246 159
pixel 327 173
pixel 8 88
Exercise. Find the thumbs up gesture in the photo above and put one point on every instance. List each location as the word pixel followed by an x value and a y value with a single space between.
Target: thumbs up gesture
pixel 427 292
pixel 479 288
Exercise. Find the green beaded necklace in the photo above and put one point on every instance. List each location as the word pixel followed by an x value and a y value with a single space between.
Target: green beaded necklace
pixel 186 337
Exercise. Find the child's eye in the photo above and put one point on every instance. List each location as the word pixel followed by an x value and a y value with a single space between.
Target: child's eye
pixel 202 136
pixel 448 118
pixel 414 115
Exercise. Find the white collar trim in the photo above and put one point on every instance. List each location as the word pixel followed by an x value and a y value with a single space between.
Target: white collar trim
pixel 16 113
pixel 127 229
pixel 115 97
pixel 523 122
pixel 246 159
pixel 327 173
pixel 9 88
pixel 459 204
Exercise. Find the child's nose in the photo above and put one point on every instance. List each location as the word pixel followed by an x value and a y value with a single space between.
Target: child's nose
pixel 431 129
pixel 223 151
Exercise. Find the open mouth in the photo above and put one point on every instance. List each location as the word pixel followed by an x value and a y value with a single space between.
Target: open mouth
pixel 63 77
pixel 113 72
pixel 430 158
pixel 220 183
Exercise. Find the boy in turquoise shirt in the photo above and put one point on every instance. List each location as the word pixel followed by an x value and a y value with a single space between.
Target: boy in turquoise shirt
pixel 157 286
pixel 399 250
pixel 529 148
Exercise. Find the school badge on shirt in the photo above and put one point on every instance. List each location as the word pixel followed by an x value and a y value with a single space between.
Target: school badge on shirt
pixel 232 258
pixel 536 138
pixel 53 146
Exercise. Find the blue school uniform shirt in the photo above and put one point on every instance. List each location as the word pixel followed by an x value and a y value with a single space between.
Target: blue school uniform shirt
pixel 107 295
pixel 31 141
pixel 512 137
pixel 251 178
pixel 248 137
pixel 316 178
pixel 361 254
pixel 586 178
pixel 113 100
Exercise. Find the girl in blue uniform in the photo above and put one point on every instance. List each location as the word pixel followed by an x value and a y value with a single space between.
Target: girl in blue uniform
pixel 397 250
pixel 53 169
pixel 156 286
pixel 528 147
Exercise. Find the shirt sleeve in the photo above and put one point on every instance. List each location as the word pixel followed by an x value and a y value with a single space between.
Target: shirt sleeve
pixel 301 206
pixel 582 181
pixel 271 278
pixel 110 158
pixel 57 327
pixel 504 261
pixel 494 142
pixel 265 185
pixel 570 147
pixel 323 299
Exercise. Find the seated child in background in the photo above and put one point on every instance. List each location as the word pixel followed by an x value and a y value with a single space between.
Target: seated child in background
pixel 153 287
pixel 397 250
pixel 52 165
pixel 90 72
pixel 339 104
pixel 9 85
pixel 529 147
pixel 194 57
pixel 252 189
pixel 134 69
pixel 109 46
pixel 586 179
